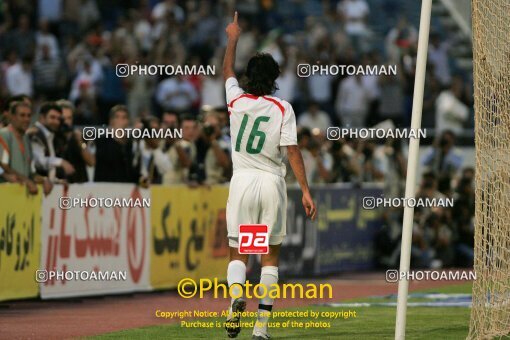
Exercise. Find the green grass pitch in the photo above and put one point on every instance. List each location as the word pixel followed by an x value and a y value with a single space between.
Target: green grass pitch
pixel 370 323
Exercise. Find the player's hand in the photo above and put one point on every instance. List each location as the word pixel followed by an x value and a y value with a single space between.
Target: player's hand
pixel 309 206
pixel 233 30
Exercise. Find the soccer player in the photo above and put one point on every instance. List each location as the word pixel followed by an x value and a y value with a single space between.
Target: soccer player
pixel 263 130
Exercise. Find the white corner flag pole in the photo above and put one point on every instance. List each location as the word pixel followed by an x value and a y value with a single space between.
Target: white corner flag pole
pixel 412 162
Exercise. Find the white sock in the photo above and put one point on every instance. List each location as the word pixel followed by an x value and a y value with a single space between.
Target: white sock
pixel 236 274
pixel 268 277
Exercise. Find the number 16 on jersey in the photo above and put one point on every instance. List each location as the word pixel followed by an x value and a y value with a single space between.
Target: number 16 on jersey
pixel 255 132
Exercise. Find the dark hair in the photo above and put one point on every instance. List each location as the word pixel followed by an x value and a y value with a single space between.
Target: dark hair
pixel 13 107
pixel 172 113
pixel 148 121
pixel 47 107
pixel 430 176
pixel 261 74
pixel 448 133
pixel 27 59
pixel 304 132
pixel 187 117
pixel 116 109
pixel 17 98
pixel 429 180
pixel 443 184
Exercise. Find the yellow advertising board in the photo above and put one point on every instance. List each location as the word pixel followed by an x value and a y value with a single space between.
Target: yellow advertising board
pixel 20 229
pixel 189 234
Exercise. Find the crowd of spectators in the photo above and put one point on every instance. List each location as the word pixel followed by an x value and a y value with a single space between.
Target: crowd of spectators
pixel 57 74
pixel 442 236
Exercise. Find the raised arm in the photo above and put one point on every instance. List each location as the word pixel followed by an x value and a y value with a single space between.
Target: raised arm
pixel 233 31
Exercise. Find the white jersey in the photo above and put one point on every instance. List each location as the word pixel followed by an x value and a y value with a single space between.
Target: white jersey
pixel 259 127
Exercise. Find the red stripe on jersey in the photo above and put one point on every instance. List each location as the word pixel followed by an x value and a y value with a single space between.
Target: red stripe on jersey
pixel 251 96
pixel 280 106
pixel 245 95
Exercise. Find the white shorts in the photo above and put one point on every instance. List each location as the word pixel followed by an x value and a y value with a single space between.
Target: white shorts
pixel 257 197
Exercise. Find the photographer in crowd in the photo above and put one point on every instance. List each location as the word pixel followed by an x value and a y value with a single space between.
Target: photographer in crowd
pixel 73 148
pixel 154 33
pixel 150 159
pixel 180 152
pixel 212 164
pixel 345 169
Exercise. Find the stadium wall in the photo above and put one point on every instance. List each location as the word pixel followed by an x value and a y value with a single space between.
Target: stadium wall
pixel 182 234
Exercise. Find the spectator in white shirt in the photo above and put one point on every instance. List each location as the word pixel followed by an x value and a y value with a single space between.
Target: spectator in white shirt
pixel 176 94
pixel 151 159
pixel 319 87
pixel 287 82
pixel 10 59
pixel 314 118
pixel 43 37
pixel 354 15
pixel 352 102
pixel 451 112
pixel 438 56
pixel 19 78
pixel 140 90
pixel 85 83
pixel 180 153
pixel 401 36
pixel 213 90
pixel 88 13
pixel 165 7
